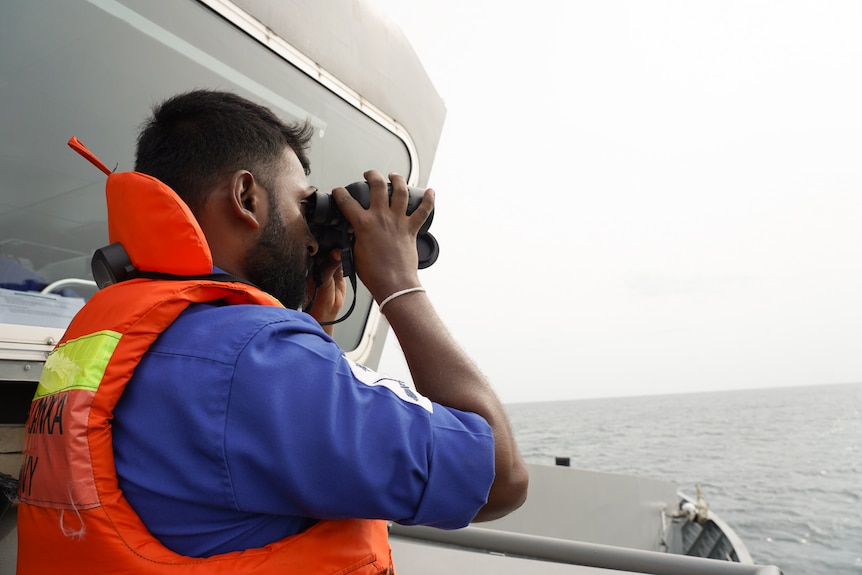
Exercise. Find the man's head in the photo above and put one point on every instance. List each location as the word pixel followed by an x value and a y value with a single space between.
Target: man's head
pixel 242 172
pixel 193 139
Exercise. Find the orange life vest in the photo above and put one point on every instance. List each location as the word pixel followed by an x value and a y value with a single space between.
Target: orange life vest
pixel 72 516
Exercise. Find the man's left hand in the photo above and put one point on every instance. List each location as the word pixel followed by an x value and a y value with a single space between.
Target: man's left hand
pixel 332 290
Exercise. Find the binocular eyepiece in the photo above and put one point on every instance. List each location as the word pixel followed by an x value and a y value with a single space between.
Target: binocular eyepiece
pixel 332 230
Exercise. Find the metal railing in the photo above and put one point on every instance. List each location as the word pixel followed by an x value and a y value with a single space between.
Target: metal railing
pixel 579 553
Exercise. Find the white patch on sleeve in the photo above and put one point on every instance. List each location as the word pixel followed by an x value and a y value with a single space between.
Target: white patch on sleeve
pixel 404 390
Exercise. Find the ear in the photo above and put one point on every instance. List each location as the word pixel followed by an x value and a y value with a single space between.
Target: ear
pixel 247 199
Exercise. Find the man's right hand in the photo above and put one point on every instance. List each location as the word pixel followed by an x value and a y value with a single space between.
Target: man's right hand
pixel 385 248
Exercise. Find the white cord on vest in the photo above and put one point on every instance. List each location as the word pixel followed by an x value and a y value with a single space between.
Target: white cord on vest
pixel 398 294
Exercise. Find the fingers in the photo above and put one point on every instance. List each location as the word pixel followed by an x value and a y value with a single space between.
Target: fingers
pixel 348 206
pixel 400 195
pixel 423 210
pixel 329 295
pixel 390 202
pixel 330 264
pixel 381 198
pixel 378 188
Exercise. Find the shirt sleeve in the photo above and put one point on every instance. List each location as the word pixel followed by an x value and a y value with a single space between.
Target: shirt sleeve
pixel 309 433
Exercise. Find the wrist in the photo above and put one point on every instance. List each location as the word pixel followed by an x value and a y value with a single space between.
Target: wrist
pixel 398 294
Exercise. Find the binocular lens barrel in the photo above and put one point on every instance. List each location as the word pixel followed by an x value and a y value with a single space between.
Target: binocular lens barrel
pixel 332 230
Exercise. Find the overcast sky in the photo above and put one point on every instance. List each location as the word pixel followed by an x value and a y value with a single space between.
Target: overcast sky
pixel 639 197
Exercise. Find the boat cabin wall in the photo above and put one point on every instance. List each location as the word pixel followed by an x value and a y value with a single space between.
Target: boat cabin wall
pixel 94 70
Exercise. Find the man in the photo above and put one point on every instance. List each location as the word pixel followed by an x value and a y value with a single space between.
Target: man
pixel 244 425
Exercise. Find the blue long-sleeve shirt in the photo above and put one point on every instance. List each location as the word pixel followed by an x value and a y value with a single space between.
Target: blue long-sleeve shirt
pixel 245 424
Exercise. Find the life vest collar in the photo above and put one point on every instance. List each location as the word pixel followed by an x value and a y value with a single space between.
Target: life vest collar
pixel 153 224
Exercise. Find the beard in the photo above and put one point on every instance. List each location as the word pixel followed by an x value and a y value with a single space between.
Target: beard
pixel 278 266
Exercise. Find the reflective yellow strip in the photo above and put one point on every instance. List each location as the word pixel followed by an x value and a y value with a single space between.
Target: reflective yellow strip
pixel 78 364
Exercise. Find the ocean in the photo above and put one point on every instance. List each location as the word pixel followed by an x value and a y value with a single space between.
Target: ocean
pixel 782 466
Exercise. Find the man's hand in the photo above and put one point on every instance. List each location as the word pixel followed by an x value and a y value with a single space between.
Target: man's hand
pixel 330 294
pixel 385 248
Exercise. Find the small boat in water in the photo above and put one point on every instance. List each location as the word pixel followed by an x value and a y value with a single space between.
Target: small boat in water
pixel 81 67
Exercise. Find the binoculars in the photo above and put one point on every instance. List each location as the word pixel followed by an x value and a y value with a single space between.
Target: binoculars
pixel 332 230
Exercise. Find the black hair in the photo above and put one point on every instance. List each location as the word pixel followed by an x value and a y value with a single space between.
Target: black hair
pixel 193 139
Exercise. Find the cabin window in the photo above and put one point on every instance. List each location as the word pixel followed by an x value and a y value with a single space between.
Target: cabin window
pixel 64 80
